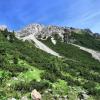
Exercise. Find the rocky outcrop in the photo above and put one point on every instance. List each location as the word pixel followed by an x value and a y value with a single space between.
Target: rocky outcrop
pixel 96 35
pixel 40 31
pixel 3 27
pixel 33 31
pixel 35 95
pixel 24 98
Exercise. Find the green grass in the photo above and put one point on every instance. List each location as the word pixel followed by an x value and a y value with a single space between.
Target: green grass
pixel 60 87
pixel 31 75
pixel 74 70
pixel 87 40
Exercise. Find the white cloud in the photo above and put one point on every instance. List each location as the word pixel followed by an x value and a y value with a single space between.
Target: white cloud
pixel 91 16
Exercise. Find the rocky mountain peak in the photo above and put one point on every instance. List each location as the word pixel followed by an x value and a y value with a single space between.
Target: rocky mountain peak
pixel 39 29
pixel 3 27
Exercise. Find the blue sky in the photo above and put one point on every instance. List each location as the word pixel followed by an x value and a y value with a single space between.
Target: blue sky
pixel 76 13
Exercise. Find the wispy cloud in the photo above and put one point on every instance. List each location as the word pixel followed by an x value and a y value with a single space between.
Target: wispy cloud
pixel 91 16
pixel 79 13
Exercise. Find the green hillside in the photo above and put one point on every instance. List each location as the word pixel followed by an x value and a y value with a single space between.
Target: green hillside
pixel 23 67
pixel 87 40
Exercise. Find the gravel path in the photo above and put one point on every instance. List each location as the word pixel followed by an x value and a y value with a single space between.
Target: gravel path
pixel 40 45
pixel 95 54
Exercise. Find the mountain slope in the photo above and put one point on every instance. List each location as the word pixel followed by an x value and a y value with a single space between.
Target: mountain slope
pixel 24 67
pixel 85 39
pixel 95 54
pixel 40 45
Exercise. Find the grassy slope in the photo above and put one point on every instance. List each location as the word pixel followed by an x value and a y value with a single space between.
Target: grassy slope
pixel 27 69
pixel 86 40
pixel 82 66
pixel 34 66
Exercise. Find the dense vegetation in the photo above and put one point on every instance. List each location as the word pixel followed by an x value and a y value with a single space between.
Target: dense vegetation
pixel 87 40
pixel 84 69
pixel 23 67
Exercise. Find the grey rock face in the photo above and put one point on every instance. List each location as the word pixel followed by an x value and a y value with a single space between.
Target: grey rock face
pixel 41 30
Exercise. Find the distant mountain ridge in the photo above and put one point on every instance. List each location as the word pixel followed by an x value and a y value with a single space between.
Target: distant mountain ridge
pixel 40 30
pixel 47 30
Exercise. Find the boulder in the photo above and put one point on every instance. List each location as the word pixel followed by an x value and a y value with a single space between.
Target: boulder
pixel 24 98
pixel 11 99
pixel 35 95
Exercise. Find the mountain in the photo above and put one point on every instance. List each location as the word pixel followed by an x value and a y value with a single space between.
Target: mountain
pixel 59 62
pixel 3 27
pixel 36 32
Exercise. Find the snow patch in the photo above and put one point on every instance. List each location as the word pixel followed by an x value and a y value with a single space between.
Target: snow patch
pixel 40 45
pixel 53 40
